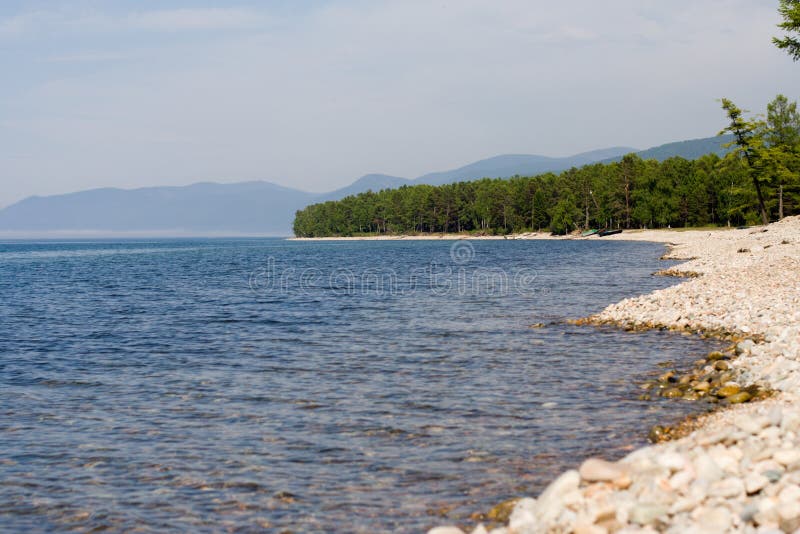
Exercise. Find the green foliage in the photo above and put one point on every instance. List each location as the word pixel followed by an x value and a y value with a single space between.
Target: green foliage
pixel 790 13
pixel 674 193
pixel 749 142
pixel 783 122
pixel 754 180
pixel 693 149
pixel 564 217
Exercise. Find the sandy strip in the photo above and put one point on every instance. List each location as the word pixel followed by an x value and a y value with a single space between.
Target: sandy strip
pixel 431 237
pixel 740 471
pixel 661 236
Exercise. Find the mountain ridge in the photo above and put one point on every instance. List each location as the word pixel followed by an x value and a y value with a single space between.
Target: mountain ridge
pixel 266 208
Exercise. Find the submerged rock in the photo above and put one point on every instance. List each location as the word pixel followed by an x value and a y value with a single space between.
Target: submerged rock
pixel 502 511
pixel 727 391
pixel 739 398
pixel 739 471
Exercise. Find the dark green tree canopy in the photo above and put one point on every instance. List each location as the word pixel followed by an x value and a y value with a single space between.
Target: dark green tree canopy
pixel 783 122
pixel 749 142
pixel 790 12
pixel 756 182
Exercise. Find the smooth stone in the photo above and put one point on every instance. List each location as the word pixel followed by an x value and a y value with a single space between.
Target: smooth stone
pixel 480 529
pixel 707 469
pixel 672 393
pixel 646 514
pixel 791 421
pixel 597 470
pixel 727 488
pixel 671 460
pixel 790 494
pixel 727 391
pixel 714 519
pixel 767 513
pixel 775 416
pixel 749 512
pixel 765 454
pixel 789 510
pixel 787 456
pixel 745 346
pixel 547 506
pixel 748 424
pixel 445 530
pixel 685 379
pixel 755 482
pixel 583 528
pixel 669 376
pixel 728 458
pixel 771 433
pixel 681 480
pixel 721 366
pixel 739 398
pixel 658 434
pixel 684 504
pixel 523 515
pixel 502 511
pixel 640 459
pixel 789 525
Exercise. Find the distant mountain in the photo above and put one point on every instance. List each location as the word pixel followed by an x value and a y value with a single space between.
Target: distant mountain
pixel 268 209
pixel 249 207
pixel 521 164
pixel 373 182
pixel 692 149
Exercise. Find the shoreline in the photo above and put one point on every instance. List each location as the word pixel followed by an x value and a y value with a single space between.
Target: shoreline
pixel 657 236
pixel 739 469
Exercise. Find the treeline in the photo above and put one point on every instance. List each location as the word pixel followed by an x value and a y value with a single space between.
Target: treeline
pixel 631 193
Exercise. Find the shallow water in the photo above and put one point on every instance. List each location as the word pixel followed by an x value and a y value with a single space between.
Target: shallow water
pixel 247 384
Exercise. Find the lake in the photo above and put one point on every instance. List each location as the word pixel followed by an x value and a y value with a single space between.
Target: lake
pixel 249 384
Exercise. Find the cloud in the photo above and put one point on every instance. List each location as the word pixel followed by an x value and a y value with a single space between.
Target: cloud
pixel 89 57
pixel 318 95
pixel 22 23
pixel 195 19
pixel 65 20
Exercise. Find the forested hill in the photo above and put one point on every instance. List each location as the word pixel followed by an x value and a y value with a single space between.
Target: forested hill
pixel 754 179
pixel 691 149
pixel 508 165
pixel 631 193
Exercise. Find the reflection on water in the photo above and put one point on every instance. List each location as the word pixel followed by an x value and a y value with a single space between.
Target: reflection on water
pixel 149 387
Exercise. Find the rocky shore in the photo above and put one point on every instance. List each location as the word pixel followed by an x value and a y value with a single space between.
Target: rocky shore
pixel 739 471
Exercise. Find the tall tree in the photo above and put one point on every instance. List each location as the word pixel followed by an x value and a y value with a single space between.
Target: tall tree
pixel 783 123
pixel 748 141
pixel 783 146
pixel 790 12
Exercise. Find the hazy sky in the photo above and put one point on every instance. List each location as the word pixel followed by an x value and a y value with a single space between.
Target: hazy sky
pixel 313 94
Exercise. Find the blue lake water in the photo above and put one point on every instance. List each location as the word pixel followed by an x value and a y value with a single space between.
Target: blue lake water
pixel 242 385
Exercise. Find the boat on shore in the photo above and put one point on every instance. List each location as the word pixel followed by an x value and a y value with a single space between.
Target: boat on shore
pixel 592 231
pixel 608 231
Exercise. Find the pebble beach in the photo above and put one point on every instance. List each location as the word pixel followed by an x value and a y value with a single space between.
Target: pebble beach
pixel 738 470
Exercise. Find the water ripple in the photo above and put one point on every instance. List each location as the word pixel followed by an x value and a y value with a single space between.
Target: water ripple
pixel 145 386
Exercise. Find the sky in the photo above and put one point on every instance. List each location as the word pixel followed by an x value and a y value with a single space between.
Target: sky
pixel 313 94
